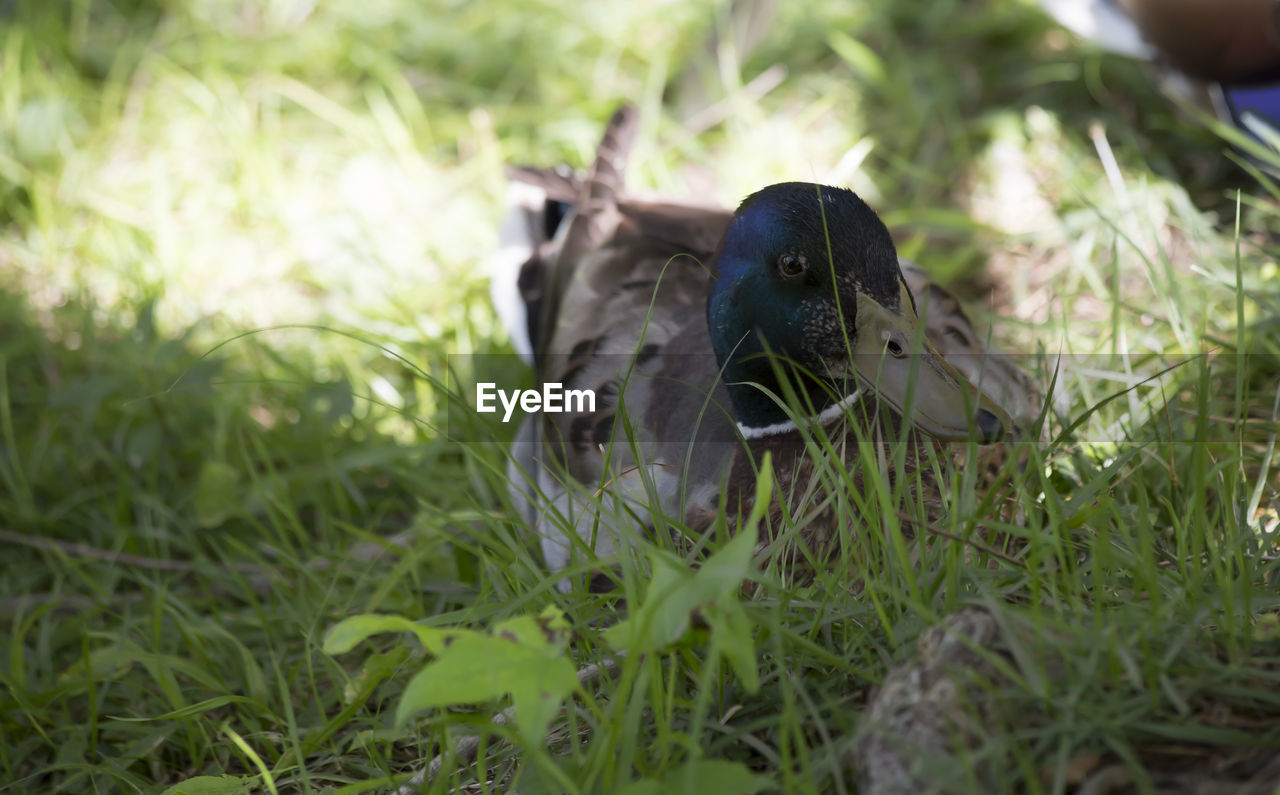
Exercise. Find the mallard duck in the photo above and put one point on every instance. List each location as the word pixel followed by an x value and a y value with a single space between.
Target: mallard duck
pixel 711 336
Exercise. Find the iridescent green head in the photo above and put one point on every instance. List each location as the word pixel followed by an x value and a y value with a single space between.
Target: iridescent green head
pixel 809 273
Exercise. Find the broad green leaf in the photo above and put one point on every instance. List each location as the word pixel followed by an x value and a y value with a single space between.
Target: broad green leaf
pixel 675 592
pixel 521 658
pixel 664 614
pixel 724 571
pixel 731 634
pixel 375 670
pixel 474 668
pixel 211 785
pixel 549 628
pixel 344 635
pixel 702 776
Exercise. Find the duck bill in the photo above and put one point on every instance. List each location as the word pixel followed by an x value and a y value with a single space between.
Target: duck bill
pixel 893 359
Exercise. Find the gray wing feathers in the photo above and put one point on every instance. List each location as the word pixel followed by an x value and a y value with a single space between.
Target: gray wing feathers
pixel 949 329
pixel 594 216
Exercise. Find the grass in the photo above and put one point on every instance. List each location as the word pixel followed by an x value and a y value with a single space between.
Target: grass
pixel 186 509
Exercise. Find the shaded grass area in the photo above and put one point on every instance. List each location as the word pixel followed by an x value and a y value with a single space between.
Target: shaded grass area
pixel 180 530
pixel 174 548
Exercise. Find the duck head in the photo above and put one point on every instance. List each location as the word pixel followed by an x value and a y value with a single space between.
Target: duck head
pixel 808 274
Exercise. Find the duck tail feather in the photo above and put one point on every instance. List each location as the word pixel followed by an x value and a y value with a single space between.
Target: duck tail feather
pixel 591 220
pixel 607 178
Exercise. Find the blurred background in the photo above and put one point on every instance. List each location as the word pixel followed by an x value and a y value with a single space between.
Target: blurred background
pixel 243 163
pixel 241 238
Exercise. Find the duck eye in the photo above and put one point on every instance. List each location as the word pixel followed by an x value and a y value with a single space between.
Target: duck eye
pixel 792 266
pixel 895 345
